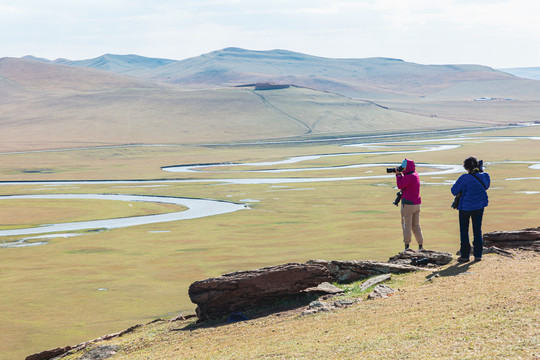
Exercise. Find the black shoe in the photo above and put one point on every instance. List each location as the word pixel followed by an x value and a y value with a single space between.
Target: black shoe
pixel 477 259
pixel 462 260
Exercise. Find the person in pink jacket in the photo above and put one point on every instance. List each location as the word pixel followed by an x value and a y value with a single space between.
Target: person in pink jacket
pixel 409 183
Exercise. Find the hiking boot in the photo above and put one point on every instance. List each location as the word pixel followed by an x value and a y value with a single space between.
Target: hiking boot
pixel 462 260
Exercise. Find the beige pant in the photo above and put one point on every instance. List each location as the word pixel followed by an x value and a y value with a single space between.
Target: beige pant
pixel 410 221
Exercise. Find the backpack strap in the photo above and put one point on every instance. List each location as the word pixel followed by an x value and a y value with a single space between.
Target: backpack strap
pixel 476 177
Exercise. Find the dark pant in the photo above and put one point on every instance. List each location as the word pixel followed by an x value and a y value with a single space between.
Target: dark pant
pixel 478 243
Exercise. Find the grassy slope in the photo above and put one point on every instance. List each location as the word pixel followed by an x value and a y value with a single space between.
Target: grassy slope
pixel 517 101
pixel 170 116
pixel 478 113
pixel 467 312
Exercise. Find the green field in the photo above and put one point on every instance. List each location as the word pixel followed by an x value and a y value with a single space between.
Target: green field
pixel 74 289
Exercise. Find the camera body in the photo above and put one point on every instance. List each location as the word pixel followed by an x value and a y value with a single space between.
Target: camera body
pixel 481 165
pixel 394 170
pixel 398 198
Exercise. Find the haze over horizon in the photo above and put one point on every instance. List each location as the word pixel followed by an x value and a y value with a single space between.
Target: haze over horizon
pixel 495 33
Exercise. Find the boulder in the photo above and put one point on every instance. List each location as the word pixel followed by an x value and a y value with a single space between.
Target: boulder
pixel 347 271
pixel 422 258
pixel 375 281
pixel 49 354
pixel 63 351
pixel 496 250
pixel 325 288
pixel 518 239
pixel 101 352
pixel 238 291
pixel 321 306
pixel 381 291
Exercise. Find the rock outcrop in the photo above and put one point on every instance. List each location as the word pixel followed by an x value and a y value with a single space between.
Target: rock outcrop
pixel 422 258
pixel 244 290
pixel 325 288
pixel 374 281
pixel 63 351
pixel 321 306
pixel 49 354
pixel 238 291
pixel 381 291
pixel 101 352
pixel 346 271
pixel 528 239
pixel 496 250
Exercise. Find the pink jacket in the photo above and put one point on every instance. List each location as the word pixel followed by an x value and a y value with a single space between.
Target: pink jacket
pixel 409 184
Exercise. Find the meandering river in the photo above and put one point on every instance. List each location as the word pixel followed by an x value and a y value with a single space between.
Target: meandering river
pixel 201 207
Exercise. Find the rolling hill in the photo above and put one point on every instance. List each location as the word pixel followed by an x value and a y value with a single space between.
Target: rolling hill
pixel 528 72
pixel 212 98
pixel 121 64
pixel 40 76
pixel 371 78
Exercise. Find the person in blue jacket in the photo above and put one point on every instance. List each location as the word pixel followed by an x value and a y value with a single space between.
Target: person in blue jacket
pixel 474 199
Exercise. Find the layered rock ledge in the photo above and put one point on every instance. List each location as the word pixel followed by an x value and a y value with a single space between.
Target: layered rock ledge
pixel 527 239
pixel 220 296
pixel 243 290
pixel 346 271
pixel 422 258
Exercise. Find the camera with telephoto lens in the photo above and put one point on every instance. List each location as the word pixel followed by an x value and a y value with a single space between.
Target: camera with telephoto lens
pixel 481 165
pixel 419 261
pixel 393 170
pixel 398 198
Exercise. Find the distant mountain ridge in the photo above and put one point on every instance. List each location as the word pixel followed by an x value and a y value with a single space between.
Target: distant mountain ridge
pixel 358 78
pixel 365 78
pixel 527 72
pixel 121 64
pixel 45 75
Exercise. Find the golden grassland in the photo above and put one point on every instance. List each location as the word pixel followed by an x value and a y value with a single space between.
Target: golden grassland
pixel 465 312
pixel 51 293
pixel 151 114
pixel 166 115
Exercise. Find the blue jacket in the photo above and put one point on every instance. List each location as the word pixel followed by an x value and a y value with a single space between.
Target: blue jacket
pixel 473 194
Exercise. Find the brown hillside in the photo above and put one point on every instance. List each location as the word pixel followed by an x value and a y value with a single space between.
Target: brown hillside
pixel 41 76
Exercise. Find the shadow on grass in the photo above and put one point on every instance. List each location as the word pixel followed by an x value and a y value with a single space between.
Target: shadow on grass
pixel 281 304
pixel 453 270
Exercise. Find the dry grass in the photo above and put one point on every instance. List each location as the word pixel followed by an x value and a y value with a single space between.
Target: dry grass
pixel 53 120
pixel 485 310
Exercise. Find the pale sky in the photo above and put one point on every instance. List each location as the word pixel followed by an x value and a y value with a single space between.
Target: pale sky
pixel 496 33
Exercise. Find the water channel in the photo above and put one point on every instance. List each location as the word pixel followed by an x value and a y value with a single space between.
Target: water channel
pixel 201 207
